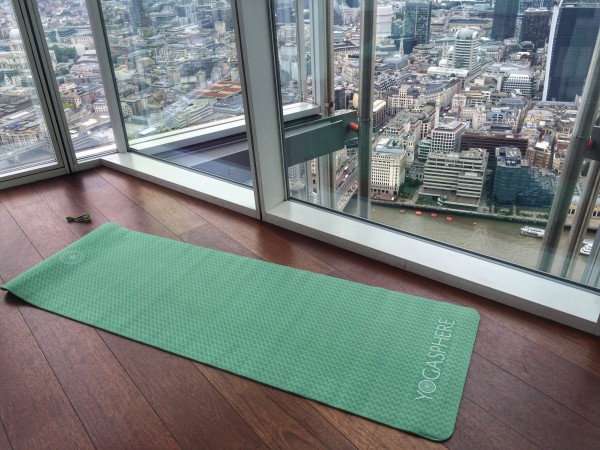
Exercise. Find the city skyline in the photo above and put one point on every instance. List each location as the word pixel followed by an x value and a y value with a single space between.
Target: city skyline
pixel 176 66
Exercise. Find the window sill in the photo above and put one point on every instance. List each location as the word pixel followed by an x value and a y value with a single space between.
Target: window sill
pixel 534 293
pixel 219 192
pixel 212 131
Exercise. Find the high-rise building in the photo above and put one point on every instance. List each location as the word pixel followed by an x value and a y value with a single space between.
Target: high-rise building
pixel 445 138
pixel 525 4
pixel 573 33
pixel 536 26
pixel 517 183
pixel 466 49
pixel 387 167
pixel 138 15
pixel 505 19
pixel 417 21
pixel 455 179
pixel 385 15
pixel 520 81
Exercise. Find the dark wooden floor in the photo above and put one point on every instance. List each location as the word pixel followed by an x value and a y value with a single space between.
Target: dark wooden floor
pixel 531 383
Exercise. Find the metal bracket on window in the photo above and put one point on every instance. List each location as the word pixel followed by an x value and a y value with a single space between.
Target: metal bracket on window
pixel 318 137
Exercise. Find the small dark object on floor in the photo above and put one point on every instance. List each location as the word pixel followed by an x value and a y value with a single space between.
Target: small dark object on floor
pixel 85 218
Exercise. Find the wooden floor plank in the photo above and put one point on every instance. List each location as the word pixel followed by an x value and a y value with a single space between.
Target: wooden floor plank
pixel 64 201
pixel 18 196
pixel 253 235
pixel 191 408
pixel 17 252
pixel 580 348
pixel 476 429
pixel 46 231
pixel 538 418
pixel 118 208
pixel 35 411
pixel 387 438
pixel 4 442
pixel 207 235
pixel 357 430
pixel 112 409
pixel 557 378
pixel 282 420
pixel 155 201
pixel 85 180
pixel 365 434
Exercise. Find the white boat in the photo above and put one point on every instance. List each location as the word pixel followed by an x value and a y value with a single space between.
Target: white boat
pixel 532 231
pixel 586 249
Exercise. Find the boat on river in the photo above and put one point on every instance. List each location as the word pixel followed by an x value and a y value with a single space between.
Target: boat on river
pixel 532 231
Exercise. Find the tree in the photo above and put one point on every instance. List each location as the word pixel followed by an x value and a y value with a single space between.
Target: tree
pixel 64 54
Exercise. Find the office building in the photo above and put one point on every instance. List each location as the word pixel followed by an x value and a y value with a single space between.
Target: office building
pixel 526 4
pixel 455 179
pixel 573 32
pixel 446 137
pixel 490 141
pixel 518 81
pixel 466 49
pixel 387 168
pixel 536 26
pixel 505 19
pixel 417 22
pixel 385 15
pixel 517 183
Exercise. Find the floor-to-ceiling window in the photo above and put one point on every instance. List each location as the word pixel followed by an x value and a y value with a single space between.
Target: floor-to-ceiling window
pixel 77 72
pixel 465 150
pixel 25 142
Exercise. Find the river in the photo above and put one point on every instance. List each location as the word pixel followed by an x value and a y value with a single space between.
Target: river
pixel 498 239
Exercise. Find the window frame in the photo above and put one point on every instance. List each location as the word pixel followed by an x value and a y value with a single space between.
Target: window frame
pixel 420 256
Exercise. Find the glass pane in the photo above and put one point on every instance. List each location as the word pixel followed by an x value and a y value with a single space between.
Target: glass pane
pixel 24 139
pixel 177 70
pixel 467 150
pixel 75 63
pixel 294 46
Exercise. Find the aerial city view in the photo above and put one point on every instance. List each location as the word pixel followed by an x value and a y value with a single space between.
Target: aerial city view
pixel 475 101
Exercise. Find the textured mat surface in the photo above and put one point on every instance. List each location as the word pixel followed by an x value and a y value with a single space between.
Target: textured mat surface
pixel 390 357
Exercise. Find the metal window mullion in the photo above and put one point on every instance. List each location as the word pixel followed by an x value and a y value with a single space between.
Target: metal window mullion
pixel 365 107
pixel 262 102
pixel 56 110
pixel 301 47
pixel 34 43
pixel 590 102
pixel 109 81
pixel 323 84
pixel 318 35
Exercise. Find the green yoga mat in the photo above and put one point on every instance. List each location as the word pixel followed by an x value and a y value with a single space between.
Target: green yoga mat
pixel 390 357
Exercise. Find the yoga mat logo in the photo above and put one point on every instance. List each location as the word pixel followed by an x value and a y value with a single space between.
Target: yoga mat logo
pixel 435 360
pixel 71 257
